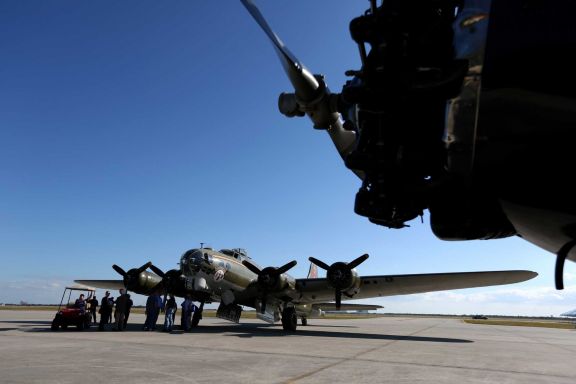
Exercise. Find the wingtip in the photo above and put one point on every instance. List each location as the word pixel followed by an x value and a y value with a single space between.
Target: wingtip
pixel 526 274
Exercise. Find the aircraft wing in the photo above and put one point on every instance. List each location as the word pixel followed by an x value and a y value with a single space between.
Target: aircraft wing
pixel 104 284
pixel 318 290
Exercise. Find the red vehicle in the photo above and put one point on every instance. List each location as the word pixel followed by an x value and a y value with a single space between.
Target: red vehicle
pixel 69 313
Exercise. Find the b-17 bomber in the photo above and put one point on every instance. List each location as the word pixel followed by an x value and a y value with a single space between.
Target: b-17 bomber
pixel 230 277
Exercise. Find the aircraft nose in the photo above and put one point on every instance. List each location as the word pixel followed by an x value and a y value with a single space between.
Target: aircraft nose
pixel 192 259
pixel 196 257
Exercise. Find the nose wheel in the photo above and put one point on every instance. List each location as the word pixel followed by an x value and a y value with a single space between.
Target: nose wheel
pixel 198 315
pixel 289 319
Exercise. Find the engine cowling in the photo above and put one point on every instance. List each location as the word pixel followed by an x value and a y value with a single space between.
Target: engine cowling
pixel 139 280
pixel 342 277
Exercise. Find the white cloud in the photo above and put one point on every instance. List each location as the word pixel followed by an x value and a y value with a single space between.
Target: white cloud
pixel 34 291
pixel 569 276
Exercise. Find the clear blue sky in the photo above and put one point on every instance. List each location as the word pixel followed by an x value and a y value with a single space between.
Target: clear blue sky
pixel 134 130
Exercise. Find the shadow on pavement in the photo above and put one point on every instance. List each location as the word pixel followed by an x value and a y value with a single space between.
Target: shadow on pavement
pixel 254 330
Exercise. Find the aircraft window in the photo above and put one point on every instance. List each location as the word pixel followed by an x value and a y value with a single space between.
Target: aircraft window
pixel 366 281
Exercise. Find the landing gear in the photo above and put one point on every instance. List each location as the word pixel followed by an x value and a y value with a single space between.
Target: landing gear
pixel 304 321
pixel 198 315
pixel 289 319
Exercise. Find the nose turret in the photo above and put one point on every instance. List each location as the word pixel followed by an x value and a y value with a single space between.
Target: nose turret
pixel 191 260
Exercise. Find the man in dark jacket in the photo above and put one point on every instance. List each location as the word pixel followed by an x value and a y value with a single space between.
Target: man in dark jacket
pixel 153 305
pixel 105 311
pixel 120 314
pixel 129 304
pixel 93 306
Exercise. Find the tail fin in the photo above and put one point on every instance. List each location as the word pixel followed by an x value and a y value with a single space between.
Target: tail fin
pixel 313 271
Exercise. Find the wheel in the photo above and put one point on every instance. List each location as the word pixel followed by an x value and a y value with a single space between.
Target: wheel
pixel 55 324
pixel 289 319
pixel 196 319
pixel 80 326
pixel 304 321
pixel 64 326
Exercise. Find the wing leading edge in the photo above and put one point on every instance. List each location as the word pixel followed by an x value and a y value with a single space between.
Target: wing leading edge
pixel 103 284
pixel 318 290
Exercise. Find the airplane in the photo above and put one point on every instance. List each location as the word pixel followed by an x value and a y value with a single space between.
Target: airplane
pixel 571 313
pixel 462 108
pixel 231 278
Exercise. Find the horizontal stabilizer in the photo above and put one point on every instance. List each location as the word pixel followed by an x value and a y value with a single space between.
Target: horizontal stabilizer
pixel 104 284
pixel 346 307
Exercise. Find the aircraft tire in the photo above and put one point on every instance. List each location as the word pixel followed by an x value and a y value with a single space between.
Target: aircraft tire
pixel 196 319
pixel 289 319
pixel 304 321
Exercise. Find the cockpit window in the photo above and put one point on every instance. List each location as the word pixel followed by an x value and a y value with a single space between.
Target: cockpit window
pixel 237 253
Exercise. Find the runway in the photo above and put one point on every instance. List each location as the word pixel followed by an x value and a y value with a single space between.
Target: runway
pixel 390 349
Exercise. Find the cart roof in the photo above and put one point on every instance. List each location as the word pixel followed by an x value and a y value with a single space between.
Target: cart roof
pixel 81 288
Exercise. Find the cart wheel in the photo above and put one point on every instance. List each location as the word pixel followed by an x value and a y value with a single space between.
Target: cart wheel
pixel 55 325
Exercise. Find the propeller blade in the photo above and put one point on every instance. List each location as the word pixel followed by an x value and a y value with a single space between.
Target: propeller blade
pixel 319 263
pixel 303 81
pixel 157 270
pixel 338 299
pixel 119 270
pixel 251 267
pixel 144 267
pixel 286 267
pixel 356 262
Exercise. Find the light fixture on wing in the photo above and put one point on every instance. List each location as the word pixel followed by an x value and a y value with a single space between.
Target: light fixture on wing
pixel 270 279
pixel 340 275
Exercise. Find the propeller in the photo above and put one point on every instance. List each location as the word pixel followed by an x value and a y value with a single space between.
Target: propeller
pixel 340 274
pixel 269 278
pixel 131 277
pixel 305 84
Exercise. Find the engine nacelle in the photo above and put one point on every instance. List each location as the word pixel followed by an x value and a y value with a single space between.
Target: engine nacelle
pixel 341 277
pixel 144 283
pixel 272 282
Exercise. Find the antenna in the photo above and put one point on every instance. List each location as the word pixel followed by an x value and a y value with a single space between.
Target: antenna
pixel 201 245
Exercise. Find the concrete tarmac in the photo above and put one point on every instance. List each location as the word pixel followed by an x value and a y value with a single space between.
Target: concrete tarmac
pixel 390 349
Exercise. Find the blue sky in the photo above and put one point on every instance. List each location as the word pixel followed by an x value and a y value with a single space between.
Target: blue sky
pixel 132 131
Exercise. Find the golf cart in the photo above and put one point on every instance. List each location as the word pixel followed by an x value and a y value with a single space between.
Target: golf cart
pixel 69 314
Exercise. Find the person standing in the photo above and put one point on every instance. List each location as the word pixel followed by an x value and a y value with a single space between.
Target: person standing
pixel 120 314
pixel 93 307
pixel 129 304
pixel 187 311
pixel 153 305
pixel 169 314
pixel 111 302
pixel 105 311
